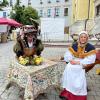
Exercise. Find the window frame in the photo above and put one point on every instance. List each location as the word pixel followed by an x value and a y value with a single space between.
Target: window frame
pixel 41 13
pixel 98 10
pixel 49 12
pixel 65 11
pixel 57 12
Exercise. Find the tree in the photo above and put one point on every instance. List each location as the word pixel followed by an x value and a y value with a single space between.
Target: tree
pixel 29 12
pixel 18 2
pixel 4 3
pixel 0 8
pixel 17 13
pixel 23 14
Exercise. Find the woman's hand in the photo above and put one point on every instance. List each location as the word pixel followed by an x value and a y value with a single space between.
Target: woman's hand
pixel 73 62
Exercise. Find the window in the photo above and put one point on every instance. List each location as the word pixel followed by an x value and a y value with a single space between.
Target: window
pixel 57 0
pixel 41 2
pixel 4 14
pixel 66 0
pixel 65 11
pixel 11 3
pixel 49 1
pixel 0 2
pixel 49 12
pixel 41 13
pixel 57 11
pixel 29 2
pixel 98 10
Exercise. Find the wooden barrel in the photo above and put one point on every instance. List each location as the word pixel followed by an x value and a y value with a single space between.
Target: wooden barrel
pixel 3 38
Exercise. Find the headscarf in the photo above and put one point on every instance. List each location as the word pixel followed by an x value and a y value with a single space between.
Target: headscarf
pixel 83 32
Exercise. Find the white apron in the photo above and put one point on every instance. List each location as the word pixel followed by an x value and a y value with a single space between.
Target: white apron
pixel 74 79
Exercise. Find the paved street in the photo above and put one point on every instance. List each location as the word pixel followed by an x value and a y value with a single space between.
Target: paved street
pixel 52 53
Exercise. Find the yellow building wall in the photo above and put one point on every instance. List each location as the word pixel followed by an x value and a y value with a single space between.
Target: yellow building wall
pixel 73 11
pixel 80 10
pixel 92 9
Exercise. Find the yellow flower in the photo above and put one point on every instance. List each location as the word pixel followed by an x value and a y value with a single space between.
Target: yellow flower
pixel 23 61
pixel 98 71
pixel 38 60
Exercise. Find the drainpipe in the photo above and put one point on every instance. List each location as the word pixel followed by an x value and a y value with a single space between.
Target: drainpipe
pixel 88 16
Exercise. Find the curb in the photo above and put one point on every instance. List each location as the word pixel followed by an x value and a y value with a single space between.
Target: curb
pixel 63 46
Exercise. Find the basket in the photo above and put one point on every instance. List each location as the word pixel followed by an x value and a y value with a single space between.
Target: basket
pixel 3 38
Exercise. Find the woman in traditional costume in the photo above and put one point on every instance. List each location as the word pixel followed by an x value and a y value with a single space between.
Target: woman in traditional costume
pixel 78 56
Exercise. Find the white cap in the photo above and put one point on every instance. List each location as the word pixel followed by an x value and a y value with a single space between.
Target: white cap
pixel 83 32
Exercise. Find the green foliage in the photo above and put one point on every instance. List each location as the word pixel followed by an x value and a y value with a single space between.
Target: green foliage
pixel 23 14
pixel 0 9
pixel 17 13
pixel 29 12
pixel 4 3
pixel 18 2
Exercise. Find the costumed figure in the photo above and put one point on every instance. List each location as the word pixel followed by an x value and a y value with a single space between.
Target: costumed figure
pixel 80 54
pixel 28 46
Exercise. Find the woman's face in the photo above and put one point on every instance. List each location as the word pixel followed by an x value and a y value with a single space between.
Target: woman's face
pixel 83 38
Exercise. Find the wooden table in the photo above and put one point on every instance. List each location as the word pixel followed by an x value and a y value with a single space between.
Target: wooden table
pixel 35 79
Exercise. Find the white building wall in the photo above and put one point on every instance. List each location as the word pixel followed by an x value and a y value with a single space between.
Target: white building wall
pixel 97 18
pixel 13 2
pixel 24 2
pixel 61 5
pixel 6 10
pixel 53 5
pixel 1 1
pixel 1 14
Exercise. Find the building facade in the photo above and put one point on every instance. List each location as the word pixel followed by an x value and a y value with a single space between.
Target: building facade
pixel 83 15
pixel 5 11
pixel 54 9
pixel 82 10
pixel 49 8
pixel 97 17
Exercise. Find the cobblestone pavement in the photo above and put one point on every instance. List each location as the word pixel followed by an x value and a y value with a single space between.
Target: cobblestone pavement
pixel 6 55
